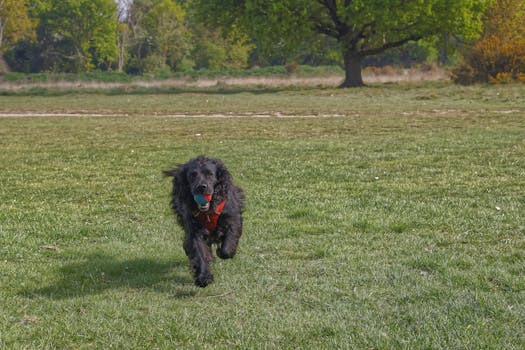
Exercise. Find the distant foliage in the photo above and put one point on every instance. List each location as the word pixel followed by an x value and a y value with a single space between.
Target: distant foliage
pixel 499 54
pixel 15 23
pixel 72 36
pixel 407 56
pixel 162 37
pixel 165 37
pixel 214 50
pixel 158 37
pixel 360 28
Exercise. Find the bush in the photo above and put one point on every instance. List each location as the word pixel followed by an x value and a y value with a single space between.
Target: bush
pixel 499 55
pixel 463 74
pixel 291 67
pixel 491 60
pixel 501 78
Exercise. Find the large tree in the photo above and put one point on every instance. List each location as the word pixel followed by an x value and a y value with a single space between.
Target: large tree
pixel 166 31
pixel 85 27
pixel 362 28
pixel 159 38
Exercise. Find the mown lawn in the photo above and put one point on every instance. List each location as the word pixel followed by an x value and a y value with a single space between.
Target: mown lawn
pixel 397 224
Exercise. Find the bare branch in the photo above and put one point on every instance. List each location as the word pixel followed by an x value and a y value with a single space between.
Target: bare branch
pixel 341 27
pixel 389 45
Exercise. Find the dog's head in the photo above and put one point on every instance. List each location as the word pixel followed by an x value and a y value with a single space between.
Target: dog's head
pixel 202 180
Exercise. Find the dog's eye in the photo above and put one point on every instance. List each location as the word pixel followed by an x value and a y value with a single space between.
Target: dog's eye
pixel 207 172
pixel 193 174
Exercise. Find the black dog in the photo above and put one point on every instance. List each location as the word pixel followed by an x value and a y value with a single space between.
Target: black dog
pixel 209 208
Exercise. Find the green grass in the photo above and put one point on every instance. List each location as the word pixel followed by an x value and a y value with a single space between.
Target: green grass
pixel 116 77
pixel 435 99
pixel 397 225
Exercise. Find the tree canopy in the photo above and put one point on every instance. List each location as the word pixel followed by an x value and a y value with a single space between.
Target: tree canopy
pixel 81 30
pixel 361 28
pixel 15 23
pixel 167 32
pixel 161 36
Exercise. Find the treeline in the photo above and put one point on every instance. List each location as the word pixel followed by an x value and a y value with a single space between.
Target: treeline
pixel 150 37
pixel 133 36
pixel 164 36
pixel 141 36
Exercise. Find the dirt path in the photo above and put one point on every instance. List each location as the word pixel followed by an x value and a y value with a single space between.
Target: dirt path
pixel 15 114
pixel 441 112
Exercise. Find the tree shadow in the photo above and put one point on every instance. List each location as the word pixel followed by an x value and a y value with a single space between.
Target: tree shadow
pixel 97 273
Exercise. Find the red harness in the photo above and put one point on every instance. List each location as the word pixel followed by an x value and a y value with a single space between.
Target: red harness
pixel 208 219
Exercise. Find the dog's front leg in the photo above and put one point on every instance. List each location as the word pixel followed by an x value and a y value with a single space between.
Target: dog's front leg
pixel 230 229
pixel 200 256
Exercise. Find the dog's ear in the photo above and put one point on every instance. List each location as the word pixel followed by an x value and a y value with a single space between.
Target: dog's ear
pixel 170 172
pixel 181 187
pixel 224 180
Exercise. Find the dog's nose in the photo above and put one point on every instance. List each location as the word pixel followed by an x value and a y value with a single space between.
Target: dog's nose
pixel 202 187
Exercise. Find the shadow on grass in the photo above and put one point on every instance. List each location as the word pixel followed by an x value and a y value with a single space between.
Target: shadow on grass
pixel 97 273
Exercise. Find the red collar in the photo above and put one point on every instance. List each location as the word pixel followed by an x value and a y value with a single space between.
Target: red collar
pixel 208 219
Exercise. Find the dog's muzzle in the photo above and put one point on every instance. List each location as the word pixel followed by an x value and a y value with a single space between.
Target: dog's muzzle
pixel 203 201
pixel 204 207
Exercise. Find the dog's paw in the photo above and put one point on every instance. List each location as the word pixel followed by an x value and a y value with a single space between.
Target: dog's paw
pixel 225 253
pixel 203 280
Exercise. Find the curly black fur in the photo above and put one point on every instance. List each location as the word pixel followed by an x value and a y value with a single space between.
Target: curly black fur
pixel 204 175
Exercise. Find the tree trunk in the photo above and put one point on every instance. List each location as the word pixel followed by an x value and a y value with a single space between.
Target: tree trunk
pixel 353 77
pixel 121 50
pixel 4 68
pixel 122 44
pixel 2 26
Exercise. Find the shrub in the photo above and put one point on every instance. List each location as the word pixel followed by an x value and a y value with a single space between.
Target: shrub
pixel 463 74
pixel 388 70
pixel 499 54
pixel 291 67
pixel 488 60
pixel 501 78
pixel 372 70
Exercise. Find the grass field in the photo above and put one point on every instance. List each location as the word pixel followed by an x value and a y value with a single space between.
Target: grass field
pixel 388 217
